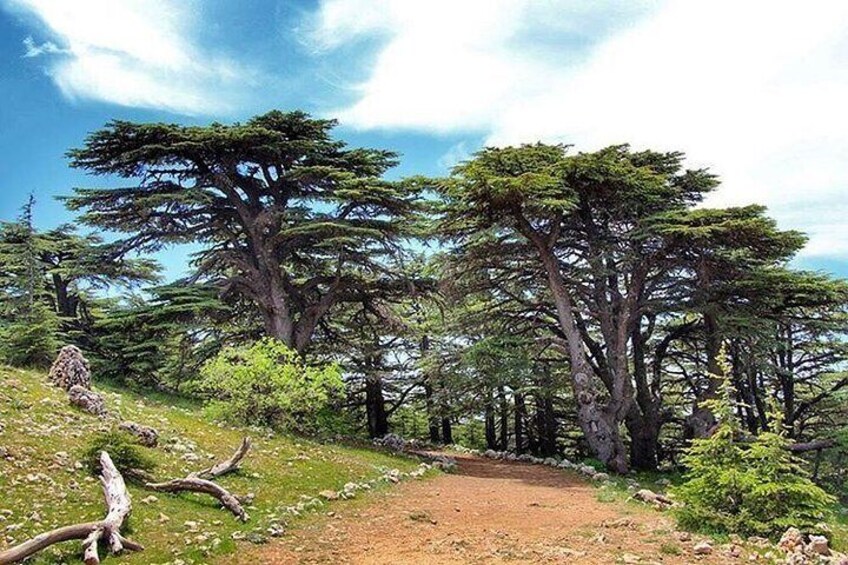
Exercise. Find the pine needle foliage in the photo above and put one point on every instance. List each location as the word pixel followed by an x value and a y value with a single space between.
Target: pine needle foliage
pixel 126 453
pixel 734 485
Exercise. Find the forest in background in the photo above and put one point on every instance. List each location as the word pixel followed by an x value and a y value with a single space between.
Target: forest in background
pixel 539 299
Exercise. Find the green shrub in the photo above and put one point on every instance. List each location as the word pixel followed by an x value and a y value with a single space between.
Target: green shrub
pixel 127 455
pixel 269 384
pixel 31 340
pixel 746 487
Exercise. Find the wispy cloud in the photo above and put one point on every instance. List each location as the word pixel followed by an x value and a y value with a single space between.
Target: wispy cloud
pixel 136 53
pixel 753 89
pixel 33 49
pixel 457 153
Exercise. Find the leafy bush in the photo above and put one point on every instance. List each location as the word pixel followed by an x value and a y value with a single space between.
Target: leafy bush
pixel 269 384
pixel 127 455
pixel 746 487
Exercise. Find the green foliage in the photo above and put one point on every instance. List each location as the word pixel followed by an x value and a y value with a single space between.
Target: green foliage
pixel 31 340
pixel 470 434
pixel 747 488
pixel 48 285
pixel 127 455
pixel 275 194
pixel 269 384
pixel 163 341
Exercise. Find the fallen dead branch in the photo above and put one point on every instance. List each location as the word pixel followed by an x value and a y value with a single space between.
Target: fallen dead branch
pixel 227 466
pixel 660 501
pixel 118 508
pixel 199 482
pixel 193 484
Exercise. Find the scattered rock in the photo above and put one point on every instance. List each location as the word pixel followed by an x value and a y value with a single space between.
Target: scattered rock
pixel 392 441
pixel 329 495
pixel 791 540
pixel 88 400
pixel 619 523
pixel 146 435
pixel 191 526
pixel 702 548
pixel 818 546
pixel 650 497
pixel 276 530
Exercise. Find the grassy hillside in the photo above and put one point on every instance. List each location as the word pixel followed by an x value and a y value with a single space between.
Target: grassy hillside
pixel 43 484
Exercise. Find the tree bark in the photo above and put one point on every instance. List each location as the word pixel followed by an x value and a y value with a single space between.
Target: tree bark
pixel 375 407
pixel 644 419
pixel 699 423
pixel 598 423
pixel 224 467
pixel 432 418
pixel 491 433
pixel 190 484
pixel 520 418
pixel 546 425
pixel 644 430
pixel 503 420
pixel 200 482
pixel 447 431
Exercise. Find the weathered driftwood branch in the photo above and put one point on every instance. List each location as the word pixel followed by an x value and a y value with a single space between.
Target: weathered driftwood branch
pixel 227 466
pixel 193 484
pixel 199 482
pixel 118 504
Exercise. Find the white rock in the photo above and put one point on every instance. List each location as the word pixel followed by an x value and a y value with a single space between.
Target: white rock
pixel 702 548
pixel 818 545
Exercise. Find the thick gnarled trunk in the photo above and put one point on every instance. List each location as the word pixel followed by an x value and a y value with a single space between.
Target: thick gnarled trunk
pixel 598 422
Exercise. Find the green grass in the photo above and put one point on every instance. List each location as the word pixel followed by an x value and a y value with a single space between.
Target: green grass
pixel 38 494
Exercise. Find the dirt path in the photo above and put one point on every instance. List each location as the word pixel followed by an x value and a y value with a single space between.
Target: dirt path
pixel 487 512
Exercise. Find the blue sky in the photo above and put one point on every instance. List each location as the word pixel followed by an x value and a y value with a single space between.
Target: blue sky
pixel 753 90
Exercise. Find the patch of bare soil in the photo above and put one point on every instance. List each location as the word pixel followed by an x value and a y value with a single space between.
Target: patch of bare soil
pixel 487 512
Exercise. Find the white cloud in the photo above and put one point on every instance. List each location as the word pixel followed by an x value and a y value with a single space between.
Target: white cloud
pixel 755 90
pixel 132 53
pixel 34 49
pixel 457 153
